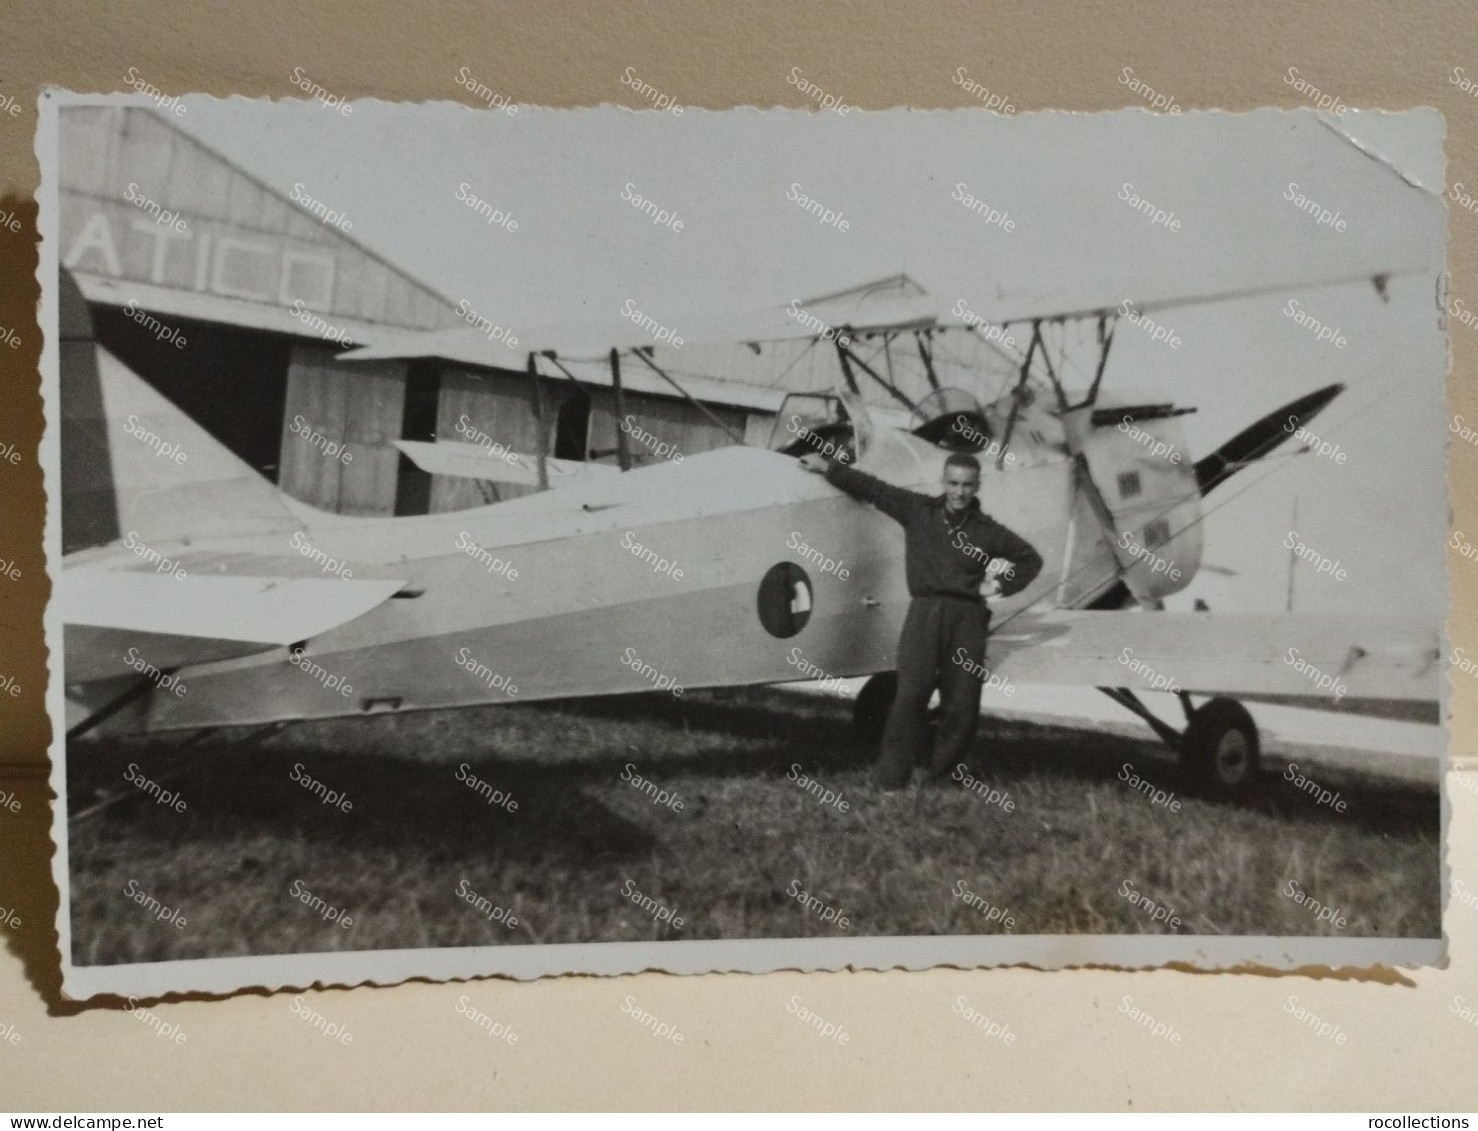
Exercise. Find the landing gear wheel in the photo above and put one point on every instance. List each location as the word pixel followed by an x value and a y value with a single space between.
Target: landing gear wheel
pixel 870 713
pixel 1221 748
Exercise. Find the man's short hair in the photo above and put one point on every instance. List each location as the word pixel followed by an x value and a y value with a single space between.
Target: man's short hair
pixel 962 459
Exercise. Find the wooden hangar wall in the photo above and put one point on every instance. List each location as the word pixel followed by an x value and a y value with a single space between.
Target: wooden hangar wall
pixel 582 421
pixel 231 299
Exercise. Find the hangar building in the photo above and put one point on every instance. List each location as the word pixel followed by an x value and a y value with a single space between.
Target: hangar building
pixel 233 300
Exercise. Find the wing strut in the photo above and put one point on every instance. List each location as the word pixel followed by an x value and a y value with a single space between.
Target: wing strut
pixel 554 360
pixel 114 705
pixel 846 361
pixel 848 356
pixel 623 454
pixel 538 396
pixel 1105 340
pixel 927 359
pixel 641 352
pixel 1052 374
pixel 1026 368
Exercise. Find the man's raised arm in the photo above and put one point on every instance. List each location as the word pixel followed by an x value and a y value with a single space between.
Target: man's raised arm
pixel 895 502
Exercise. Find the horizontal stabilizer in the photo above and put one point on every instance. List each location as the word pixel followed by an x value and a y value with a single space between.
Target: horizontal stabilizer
pixel 260 610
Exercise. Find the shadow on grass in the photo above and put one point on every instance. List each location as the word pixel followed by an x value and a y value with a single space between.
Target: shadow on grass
pixel 398 805
pixel 1004 751
pixel 421 804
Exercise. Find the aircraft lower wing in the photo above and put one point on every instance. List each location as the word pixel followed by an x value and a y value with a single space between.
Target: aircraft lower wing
pixel 171 621
pixel 1288 654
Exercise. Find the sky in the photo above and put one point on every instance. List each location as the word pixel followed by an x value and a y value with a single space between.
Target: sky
pixel 581 250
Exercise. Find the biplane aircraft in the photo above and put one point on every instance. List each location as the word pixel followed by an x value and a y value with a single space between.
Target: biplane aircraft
pixel 220 600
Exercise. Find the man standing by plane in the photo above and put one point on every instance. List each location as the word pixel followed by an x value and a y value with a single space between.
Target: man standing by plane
pixel 954 556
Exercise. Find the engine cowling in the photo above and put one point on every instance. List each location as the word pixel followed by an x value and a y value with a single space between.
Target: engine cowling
pixel 1137 457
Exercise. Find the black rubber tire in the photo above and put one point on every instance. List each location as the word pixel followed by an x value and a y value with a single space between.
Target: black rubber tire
pixel 1221 749
pixel 870 711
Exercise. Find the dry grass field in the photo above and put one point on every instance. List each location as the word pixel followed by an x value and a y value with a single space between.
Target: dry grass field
pixel 747 834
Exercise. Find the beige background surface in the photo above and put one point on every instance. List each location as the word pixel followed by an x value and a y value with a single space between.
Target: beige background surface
pixel 1406 1049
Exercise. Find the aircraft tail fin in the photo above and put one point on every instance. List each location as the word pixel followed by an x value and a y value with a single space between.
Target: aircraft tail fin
pixel 133 462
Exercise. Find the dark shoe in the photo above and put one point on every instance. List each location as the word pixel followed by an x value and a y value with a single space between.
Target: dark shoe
pixel 943 775
pixel 889 781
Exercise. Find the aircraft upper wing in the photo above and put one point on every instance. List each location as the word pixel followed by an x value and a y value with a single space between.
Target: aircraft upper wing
pixel 592 340
pixel 1288 654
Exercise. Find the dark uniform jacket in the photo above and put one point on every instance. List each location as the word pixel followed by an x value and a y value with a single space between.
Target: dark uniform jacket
pixel 943 558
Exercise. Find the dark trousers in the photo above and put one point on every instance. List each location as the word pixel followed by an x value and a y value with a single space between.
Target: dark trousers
pixel 939 633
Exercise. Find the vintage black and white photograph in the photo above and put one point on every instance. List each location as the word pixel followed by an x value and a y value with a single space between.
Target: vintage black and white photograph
pixel 527 541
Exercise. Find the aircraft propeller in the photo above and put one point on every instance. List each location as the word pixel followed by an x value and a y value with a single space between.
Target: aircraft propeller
pixel 1257 440
pixel 1242 450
